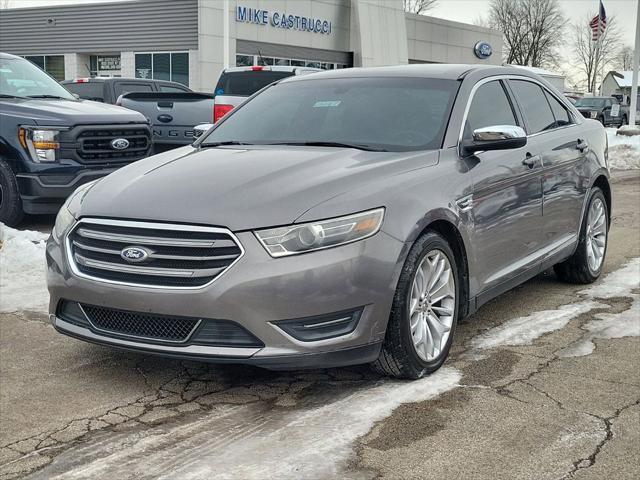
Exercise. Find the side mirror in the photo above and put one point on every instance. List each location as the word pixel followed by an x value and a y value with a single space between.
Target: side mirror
pixel 201 129
pixel 497 137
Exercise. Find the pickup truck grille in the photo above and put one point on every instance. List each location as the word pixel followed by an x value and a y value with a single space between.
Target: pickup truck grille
pixel 151 254
pixel 94 144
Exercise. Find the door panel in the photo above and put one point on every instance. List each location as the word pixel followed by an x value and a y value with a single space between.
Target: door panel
pixel 506 203
pixel 507 214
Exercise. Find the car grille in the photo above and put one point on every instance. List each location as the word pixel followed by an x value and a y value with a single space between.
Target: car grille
pixel 156 328
pixel 94 145
pixel 141 325
pixel 175 256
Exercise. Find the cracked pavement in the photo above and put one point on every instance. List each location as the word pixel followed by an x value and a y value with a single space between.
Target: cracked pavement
pixel 525 411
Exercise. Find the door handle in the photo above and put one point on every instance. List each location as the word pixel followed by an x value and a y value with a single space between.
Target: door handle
pixel 582 145
pixel 531 160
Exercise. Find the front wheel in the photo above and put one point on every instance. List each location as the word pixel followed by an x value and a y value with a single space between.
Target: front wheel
pixel 585 265
pixel 424 312
pixel 624 120
pixel 10 202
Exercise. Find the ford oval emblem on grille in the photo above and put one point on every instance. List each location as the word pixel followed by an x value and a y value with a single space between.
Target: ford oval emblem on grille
pixel 119 143
pixel 134 254
pixel 165 118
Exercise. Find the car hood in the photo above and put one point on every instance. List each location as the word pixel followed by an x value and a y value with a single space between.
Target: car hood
pixel 241 189
pixel 67 113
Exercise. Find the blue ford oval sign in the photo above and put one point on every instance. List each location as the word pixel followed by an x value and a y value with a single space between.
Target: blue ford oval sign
pixel 482 50
pixel 134 254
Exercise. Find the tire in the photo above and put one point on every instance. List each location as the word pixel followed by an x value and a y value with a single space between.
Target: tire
pixel 624 120
pixel 399 357
pixel 10 203
pixel 577 268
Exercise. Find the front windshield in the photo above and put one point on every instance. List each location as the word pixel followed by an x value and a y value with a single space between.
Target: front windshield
pixel 21 78
pixel 383 113
pixel 590 102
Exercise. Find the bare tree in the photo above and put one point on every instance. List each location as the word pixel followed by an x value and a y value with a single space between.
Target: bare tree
pixel 418 6
pixel 532 30
pixel 624 60
pixel 594 57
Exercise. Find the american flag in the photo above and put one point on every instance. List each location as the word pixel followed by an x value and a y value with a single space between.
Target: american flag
pixel 598 23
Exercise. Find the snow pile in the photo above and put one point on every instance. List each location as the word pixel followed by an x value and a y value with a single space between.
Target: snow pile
pixel 22 270
pixel 624 151
pixel 248 442
pixel 524 330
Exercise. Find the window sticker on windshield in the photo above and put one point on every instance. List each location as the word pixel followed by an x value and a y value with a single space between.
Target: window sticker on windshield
pixel 327 103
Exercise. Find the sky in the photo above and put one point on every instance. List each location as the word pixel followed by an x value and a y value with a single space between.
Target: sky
pixel 468 11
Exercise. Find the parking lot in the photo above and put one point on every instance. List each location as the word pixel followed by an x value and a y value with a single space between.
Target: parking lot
pixel 543 383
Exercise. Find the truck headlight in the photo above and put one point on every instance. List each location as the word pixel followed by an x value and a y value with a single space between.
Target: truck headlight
pixel 593 114
pixel 41 143
pixel 307 237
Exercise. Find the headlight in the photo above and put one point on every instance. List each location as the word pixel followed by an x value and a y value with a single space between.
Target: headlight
pixel 64 219
pixel 41 143
pixel 593 113
pixel 67 214
pixel 307 237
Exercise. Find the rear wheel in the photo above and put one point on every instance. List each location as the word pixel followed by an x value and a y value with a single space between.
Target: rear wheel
pixel 585 265
pixel 424 312
pixel 10 203
pixel 624 120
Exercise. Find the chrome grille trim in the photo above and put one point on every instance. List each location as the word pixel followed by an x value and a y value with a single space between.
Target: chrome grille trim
pixel 77 260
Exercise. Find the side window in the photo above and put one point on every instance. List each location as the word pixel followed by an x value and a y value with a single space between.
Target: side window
pixel 559 111
pixel 172 89
pixel 122 88
pixel 490 106
pixel 534 105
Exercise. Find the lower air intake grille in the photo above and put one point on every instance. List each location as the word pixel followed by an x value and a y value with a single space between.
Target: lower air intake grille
pixel 142 325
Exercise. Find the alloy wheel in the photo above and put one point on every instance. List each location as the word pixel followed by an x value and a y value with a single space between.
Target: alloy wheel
pixel 432 305
pixel 596 240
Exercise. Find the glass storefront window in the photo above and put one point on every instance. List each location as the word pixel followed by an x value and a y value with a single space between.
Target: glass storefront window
pixel 173 66
pixel 244 60
pixel 52 64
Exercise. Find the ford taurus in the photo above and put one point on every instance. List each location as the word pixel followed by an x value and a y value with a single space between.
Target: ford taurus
pixel 338 218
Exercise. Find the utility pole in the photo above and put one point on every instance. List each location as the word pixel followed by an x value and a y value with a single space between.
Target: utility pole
pixel 634 77
pixel 225 33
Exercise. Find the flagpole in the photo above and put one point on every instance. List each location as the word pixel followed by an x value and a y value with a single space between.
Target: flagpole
pixel 634 77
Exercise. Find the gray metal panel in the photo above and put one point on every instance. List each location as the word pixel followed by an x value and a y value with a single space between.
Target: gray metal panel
pixel 288 51
pixel 152 25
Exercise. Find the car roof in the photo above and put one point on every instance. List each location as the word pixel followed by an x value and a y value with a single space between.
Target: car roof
pixel 441 71
pixel 6 56
pixel 270 68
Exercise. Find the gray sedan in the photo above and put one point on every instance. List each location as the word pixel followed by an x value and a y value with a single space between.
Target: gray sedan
pixel 345 217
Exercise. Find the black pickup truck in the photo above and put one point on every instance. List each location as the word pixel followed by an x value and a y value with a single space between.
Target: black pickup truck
pixel 51 142
pixel 110 89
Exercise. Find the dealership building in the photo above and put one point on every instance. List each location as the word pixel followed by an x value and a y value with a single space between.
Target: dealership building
pixel 183 40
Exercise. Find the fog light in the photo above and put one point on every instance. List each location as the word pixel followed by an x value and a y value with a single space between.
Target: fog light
pixel 321 327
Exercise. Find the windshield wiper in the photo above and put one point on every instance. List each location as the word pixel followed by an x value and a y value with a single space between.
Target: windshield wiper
pixel 359 146
pixel 4 95
pixel 47 96
pixel 221 144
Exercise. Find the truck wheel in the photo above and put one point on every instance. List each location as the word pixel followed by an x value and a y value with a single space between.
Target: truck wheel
pixel 424 311
pixel 10 204
pixel 585 265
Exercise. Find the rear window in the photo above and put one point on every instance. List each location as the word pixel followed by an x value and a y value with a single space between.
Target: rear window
pixel 247 83
pixel 122 88
pixel 87 91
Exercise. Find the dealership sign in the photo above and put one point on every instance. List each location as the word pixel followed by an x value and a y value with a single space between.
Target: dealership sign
pixel 258 16
pixel 482 50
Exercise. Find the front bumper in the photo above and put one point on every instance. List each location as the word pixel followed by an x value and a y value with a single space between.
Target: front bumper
pixel 256 292
pixel 45 192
